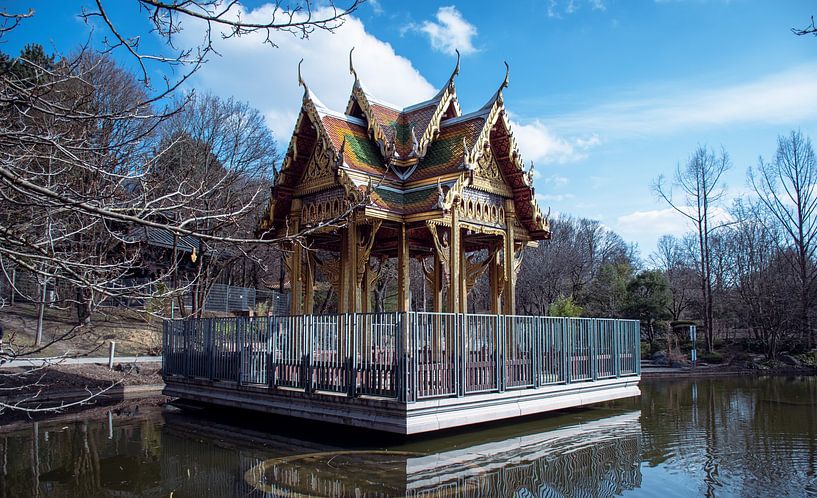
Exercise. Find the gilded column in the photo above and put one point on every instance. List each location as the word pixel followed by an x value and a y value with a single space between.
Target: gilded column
pixel 509 294
pixel 295 282
pixel 494 281
pixel 463 279
pixel 365 291
pixel 403 301
pixel 437 284
pixel 454 258
pixel 309 284
pixel 352 287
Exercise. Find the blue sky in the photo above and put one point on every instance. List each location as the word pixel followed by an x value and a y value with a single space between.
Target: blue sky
pixel 605 95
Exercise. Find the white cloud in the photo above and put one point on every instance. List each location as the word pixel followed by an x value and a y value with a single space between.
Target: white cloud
pixel 557 180
pixel 450 32
pixel 253 71
pixel 781 98
pixel 559 8
pixel 659 222
pixel 377 8
pixel 554 197
pixel 538 143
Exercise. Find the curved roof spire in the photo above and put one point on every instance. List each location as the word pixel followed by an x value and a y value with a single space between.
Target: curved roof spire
pixel 456 68
pixel 503 85
pixel 308 95
pixel 301 81
pixel 449 86
pixel 352 67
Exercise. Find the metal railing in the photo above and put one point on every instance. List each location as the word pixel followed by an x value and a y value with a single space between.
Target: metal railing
pixel 405 356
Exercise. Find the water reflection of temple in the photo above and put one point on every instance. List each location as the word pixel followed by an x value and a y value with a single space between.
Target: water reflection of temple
pixel 597 458
pixel 139 454
pixel 747 436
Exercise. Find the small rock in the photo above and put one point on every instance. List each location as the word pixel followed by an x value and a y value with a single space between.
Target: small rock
pixel 660 358
pixel 790 360
pixel 127 367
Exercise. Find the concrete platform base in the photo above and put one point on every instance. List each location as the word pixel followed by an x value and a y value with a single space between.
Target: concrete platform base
pixel 403 418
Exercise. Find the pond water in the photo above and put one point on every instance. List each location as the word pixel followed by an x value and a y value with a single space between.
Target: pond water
pixel 715 437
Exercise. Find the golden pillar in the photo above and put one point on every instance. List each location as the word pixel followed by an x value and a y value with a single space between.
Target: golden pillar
pixel 352 287
pixel 348 290
pixel 454 267
pixel 295 283
pixel 403 300
pixel 463 279
pixel 366 290
pixel 509 298
pixel 495 282
pixel 309 283
pixel 437 283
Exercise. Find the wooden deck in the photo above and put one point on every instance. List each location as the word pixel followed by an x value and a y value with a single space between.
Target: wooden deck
pixel 402 372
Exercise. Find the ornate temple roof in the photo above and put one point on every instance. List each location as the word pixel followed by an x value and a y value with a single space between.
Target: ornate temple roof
pixel 403 157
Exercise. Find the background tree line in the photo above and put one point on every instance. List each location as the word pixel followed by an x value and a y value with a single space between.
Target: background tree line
pixel 745 271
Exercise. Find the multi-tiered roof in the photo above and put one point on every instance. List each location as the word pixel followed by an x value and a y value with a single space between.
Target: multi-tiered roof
pixel 414 163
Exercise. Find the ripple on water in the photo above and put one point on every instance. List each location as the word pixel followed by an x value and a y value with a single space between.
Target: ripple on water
pixel 724 437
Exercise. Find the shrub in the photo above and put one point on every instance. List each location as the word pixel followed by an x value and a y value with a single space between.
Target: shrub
pixel 645 350
pixel 564 306
pixel 713 357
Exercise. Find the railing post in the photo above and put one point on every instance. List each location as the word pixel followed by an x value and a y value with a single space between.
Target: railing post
pixel 271 320
pixel 617 337
pixel 239 338
pixel 595 332
pixel 462 353
pixel 414 359
pixel 567 349
pixel 187 348
pixel 500 341
pixel 307 344
pixel 401 376
pixel 636 351
pixel 537 350
pixel 210 347
pixel 351 359
pixel 164 346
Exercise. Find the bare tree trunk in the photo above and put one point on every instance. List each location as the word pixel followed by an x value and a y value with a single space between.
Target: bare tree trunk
pixel 83 306
pixel 40 313
pixel 700 182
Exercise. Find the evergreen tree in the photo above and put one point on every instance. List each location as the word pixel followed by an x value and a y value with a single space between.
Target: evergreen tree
pixel 648 300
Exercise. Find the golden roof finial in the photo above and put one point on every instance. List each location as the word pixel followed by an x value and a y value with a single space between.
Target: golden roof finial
pixel 456 68
pixel 498 95
pixel 352 67
pixel 301 81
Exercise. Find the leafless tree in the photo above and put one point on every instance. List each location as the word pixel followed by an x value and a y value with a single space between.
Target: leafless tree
pixel 568 263
pixel 673 258
pixel 83 143
pixel 79 157
pixel 761 276
pixel 701 189
pixel 786 188
pixel 221 153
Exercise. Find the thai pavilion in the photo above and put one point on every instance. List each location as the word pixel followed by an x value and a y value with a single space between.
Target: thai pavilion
pixel 425 183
